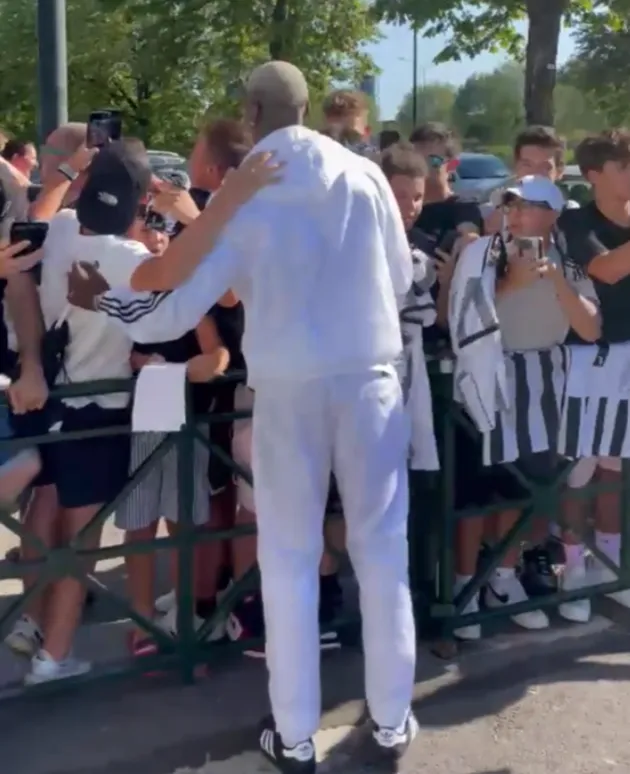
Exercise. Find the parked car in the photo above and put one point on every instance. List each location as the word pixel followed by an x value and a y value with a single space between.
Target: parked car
pixel 160 158
pixel 573 186
pixel 474 173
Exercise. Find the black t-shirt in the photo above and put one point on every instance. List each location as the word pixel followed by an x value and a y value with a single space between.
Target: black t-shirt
pixel 588 234
pixel 229 322
pixel 436 221
pixel 440 218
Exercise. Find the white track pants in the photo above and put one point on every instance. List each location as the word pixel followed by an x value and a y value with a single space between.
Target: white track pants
pixel 355 425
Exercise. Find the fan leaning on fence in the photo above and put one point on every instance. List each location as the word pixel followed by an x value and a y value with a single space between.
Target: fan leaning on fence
pixel 513 302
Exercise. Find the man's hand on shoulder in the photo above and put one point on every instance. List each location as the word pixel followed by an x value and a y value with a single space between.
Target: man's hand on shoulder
pixel 85 286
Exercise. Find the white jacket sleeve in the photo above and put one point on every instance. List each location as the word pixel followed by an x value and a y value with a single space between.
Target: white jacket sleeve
pixel 152 317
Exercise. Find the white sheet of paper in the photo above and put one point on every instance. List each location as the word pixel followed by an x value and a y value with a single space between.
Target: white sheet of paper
pixel 159 404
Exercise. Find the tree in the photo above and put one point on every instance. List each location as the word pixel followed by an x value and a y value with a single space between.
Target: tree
pixel 600 68
pixel 489 25
pixel 434 102
pixel 166 64
pixel 488 109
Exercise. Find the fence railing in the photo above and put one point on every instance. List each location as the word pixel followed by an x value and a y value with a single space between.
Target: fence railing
pixel 432 522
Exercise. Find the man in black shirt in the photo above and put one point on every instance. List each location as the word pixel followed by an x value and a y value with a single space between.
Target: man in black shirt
pixel 443 211
pixel 598 240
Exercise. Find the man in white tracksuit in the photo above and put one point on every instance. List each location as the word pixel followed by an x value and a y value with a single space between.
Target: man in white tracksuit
pixel 318 261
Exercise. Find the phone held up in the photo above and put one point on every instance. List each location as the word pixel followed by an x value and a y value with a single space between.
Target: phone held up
pixel 104 126
pixel 34 232
pixel 447 243
pixel 529 248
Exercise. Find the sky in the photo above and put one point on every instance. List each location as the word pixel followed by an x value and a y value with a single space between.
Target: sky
pixel 393 54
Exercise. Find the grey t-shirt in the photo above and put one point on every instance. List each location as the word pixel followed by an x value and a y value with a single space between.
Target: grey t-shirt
pixel 531 318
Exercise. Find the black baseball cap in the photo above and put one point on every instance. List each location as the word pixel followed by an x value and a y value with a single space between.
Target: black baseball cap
pixel 117 181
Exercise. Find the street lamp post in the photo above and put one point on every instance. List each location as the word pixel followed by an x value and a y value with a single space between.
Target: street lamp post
pixel 414 103
pixel 52 65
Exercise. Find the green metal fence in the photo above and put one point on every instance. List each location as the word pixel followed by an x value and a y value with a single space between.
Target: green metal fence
pixel 190 648
pixel 542 502
pixel 431 532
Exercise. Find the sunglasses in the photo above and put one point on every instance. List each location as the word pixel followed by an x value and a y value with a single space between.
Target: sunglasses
pixel 513 202
pixel 435 161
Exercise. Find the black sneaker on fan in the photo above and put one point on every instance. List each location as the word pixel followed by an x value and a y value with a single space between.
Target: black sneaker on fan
pixel 540 568
pixel 289 760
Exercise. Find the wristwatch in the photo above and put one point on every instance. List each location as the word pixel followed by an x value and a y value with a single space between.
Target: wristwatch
pixel 67 171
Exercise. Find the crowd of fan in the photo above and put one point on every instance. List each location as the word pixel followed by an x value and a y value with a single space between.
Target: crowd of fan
pixel 540 304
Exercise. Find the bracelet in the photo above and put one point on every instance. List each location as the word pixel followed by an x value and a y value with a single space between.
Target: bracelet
pixel 68 172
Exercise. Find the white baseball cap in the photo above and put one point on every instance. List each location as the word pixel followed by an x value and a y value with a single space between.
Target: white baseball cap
pixel 537 189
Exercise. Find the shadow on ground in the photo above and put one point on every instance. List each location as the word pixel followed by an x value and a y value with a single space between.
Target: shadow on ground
pixel 156 726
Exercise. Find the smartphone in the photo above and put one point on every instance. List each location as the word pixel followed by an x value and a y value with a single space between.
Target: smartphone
pixel 104 126
pixel 176 177
pixel 447 243
pixel 530 248
pixel 34 232
pixel 154 220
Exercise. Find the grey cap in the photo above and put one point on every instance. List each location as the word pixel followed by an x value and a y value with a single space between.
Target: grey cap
pixel 278 83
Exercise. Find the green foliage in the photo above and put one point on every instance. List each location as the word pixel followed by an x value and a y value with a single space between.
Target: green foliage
pixel 487 110
pixel 489 107
pixel 166 64
pixel 600 68
pixel 479 26
pixel 434 102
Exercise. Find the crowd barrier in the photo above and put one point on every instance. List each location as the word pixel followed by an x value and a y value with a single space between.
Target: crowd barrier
pixel 432 522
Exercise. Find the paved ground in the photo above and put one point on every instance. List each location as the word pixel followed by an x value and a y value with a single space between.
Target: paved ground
pixel 531 703
pixel 553 702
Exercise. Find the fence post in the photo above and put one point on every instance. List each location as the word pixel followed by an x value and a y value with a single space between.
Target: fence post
pixel 624 559
pixel 186 550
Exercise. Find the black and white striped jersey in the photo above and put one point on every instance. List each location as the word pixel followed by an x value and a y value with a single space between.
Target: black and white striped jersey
pixel 480 377
pixel 417 313
pixel 536 384
pixel 595 419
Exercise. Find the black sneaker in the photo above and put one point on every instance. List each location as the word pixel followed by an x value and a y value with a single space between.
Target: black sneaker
pixel 540 568
pixel 289 760
pixel 389 745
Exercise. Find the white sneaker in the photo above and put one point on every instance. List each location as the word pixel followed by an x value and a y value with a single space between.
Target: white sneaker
pixel 169 625
pixel 508 591
pixel 472 631
pixel 164 603
pixel 579 610
pixel 44 669
pixel 25 638
pixel 598 573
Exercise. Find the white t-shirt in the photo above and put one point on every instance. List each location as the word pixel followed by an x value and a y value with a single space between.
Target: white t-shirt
pixel 98 348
